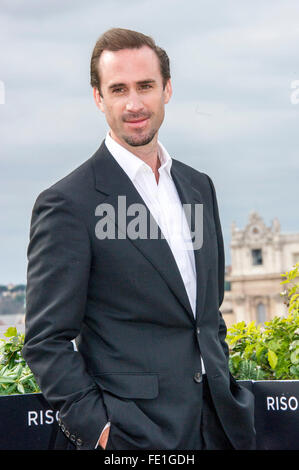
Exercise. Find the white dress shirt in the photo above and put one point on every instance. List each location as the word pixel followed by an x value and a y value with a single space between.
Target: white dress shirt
pixel 163 202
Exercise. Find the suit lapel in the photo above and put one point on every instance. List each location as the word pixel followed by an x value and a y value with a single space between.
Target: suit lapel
pixel 191 196
pixel 111 180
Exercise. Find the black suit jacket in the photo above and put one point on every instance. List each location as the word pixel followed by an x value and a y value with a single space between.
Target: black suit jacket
pixel 139 346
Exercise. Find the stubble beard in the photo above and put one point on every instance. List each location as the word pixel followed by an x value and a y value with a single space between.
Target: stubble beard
pixel 138 141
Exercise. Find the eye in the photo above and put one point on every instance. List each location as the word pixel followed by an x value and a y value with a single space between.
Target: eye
pixel 118 90
pixel 146 86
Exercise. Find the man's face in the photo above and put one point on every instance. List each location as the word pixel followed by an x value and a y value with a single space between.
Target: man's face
pixel 133 97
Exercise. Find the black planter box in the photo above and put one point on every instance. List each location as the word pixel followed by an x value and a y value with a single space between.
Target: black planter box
pixel 277 414
pixel 27 422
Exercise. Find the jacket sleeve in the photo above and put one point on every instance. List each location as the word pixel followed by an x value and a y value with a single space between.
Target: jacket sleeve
pixel 221 269
pixel 57 279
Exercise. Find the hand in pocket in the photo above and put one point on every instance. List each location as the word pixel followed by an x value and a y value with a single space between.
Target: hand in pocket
pixel 104 438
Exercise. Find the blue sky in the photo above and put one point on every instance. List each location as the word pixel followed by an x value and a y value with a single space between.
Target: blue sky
pixel 231 114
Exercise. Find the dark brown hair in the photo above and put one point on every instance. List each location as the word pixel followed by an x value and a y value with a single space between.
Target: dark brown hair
pixel 116 39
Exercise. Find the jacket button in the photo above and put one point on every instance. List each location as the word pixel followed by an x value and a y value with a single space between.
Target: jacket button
pixel 79 442
pixel 197 377
pixel 198 330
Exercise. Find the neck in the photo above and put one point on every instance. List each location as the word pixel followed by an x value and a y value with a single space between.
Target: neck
pixel 147 153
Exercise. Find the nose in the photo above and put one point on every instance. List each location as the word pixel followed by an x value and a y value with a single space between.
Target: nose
pixel 134 103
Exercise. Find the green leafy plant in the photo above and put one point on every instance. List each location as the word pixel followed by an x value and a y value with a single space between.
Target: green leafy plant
pixel 15 375
pixel 269 351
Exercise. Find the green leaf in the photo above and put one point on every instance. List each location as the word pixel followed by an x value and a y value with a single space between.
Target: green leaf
pixel 3 370
pixel 20 388
pixel 259 350
pixel 294 344
pixel 6 380
pixel 272 358
pixel 10 389
pixel 34 386
pixel 294 370
pixel 295 357
pixel 11 331
pixel 25 378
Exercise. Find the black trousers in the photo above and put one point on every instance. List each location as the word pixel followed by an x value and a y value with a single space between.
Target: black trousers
pixel 212 434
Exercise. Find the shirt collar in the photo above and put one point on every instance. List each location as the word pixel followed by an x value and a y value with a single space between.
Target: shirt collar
pixel 132 164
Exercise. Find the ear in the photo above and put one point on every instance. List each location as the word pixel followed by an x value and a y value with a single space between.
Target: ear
pixel 167 91
pixel 98 99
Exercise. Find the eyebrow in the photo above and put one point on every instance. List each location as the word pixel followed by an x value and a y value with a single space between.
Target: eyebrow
pixel 140 82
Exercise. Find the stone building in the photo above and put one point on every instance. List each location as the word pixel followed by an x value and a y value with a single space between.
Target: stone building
pixel 259 255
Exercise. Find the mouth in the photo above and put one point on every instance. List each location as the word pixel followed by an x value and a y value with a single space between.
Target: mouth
pixel 141 122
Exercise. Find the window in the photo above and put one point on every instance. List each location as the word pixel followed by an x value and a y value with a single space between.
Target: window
pixel 257 257
pixel 295 258
pixel 260 313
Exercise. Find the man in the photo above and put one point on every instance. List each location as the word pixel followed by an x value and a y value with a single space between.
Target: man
pixel 151 366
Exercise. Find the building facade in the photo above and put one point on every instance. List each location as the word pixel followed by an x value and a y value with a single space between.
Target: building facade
pixel 259 255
